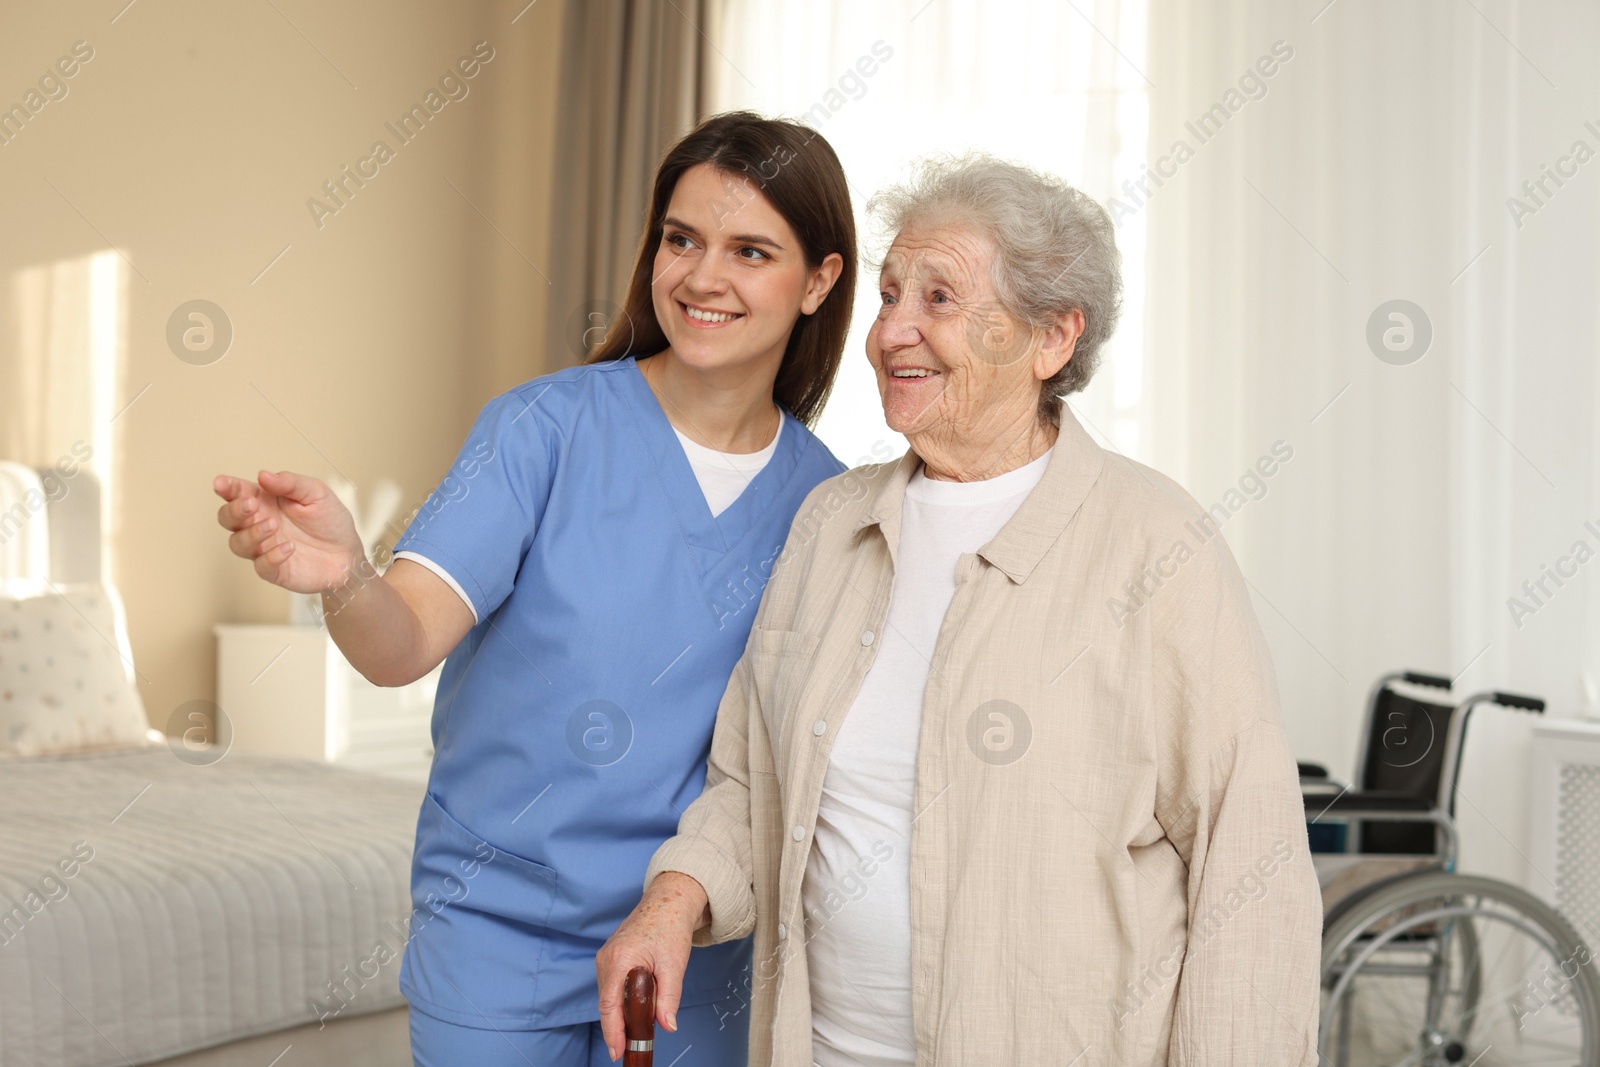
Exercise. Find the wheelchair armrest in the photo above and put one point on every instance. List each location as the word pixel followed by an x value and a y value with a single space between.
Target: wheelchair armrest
pixel 1366 803
pixel 1312 770
pixel 1385 807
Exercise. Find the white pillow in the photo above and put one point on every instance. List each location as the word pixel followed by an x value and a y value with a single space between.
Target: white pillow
pixel 65 673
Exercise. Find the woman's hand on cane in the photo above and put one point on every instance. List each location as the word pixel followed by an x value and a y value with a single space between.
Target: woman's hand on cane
pixel 656 935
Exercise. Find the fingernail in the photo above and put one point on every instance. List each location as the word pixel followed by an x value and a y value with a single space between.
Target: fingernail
pixel 612 1053
pixel 672 1021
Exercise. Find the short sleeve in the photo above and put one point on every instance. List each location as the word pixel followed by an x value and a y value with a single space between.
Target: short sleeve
pixel 449 579
pixel 477 524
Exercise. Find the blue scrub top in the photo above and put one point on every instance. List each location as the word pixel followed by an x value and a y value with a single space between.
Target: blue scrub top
pixel 573 722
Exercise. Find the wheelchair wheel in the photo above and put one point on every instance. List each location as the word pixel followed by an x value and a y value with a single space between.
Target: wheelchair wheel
pixel 1446 970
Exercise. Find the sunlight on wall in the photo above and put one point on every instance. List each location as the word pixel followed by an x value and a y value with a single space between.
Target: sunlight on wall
pixel 62 365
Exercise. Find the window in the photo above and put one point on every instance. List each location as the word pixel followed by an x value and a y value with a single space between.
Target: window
pixel 62 372
pixel 1057 86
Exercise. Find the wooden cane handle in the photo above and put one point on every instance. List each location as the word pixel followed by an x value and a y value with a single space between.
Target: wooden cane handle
pixel 639 1018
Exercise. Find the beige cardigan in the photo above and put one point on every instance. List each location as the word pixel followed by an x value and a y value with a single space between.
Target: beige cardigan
pixel 1109 856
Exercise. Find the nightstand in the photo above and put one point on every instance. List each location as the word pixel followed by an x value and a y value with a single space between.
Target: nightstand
pixel 288 691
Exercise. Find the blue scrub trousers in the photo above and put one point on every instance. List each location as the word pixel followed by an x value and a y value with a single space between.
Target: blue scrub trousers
pixel 709 1035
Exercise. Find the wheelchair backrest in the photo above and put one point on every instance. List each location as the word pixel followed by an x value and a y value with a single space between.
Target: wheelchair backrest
pixel 1405 754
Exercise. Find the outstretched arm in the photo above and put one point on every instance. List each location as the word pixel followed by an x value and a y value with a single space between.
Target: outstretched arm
pixel 394 627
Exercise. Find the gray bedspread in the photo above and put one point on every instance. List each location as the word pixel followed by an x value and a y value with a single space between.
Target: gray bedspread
pixel 149 906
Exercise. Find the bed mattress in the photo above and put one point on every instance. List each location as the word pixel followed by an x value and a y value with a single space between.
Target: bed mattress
pixel 150 906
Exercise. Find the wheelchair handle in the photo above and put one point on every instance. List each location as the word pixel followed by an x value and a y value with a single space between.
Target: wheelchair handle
pixel 1437 681
pixel 639 1018
pixel 1512 700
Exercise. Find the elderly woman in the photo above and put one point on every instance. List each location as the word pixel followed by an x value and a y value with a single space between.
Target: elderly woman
pixel 1001 776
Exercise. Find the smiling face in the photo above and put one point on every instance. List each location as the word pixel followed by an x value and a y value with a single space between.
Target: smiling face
pixel 730 276
pixel 953 365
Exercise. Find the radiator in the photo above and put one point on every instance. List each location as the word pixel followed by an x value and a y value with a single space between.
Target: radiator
pixel 1564 821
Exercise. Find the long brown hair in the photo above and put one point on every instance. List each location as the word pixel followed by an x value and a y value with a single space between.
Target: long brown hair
pixel 799 174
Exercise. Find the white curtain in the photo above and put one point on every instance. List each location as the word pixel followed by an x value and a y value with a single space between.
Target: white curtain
pixel 1339 156
pixel 1377 166
pixel 1058 86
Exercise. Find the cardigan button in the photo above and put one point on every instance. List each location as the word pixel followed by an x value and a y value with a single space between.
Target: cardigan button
pixel 866 637
pixel 820 727
pixel 783 931
pixel 798 833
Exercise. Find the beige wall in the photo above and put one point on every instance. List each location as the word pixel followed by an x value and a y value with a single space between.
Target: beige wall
pixel 192 141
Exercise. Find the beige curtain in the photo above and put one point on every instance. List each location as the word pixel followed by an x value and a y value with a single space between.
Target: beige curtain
pixel 630 87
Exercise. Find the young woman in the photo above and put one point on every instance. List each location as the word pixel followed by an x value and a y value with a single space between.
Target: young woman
pixel 600 545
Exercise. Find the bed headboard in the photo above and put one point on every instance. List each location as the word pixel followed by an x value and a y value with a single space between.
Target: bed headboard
pixel 50 532
pixel 49 524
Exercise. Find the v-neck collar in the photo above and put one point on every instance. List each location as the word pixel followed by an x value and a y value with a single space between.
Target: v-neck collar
pixel 720 533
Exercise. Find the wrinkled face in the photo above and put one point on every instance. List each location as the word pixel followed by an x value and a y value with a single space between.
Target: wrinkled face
pixel 950 360
pixel 730 276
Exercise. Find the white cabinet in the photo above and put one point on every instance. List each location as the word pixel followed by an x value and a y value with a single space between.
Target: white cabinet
pixel 288 691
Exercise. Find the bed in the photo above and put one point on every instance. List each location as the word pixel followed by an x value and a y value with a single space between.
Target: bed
pixel 156 900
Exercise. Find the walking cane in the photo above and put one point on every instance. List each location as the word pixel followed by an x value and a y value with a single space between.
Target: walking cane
pixel 639 1018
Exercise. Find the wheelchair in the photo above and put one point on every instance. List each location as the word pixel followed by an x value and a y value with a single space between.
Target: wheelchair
pixel 1422 966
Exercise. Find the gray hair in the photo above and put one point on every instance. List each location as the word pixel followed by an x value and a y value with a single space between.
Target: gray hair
pixel 1057 250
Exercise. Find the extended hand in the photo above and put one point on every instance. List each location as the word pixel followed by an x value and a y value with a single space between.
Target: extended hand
pixel 298 533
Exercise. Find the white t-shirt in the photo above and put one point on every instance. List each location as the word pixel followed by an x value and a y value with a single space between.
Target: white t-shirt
pixel 724 475
pixel 857 889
